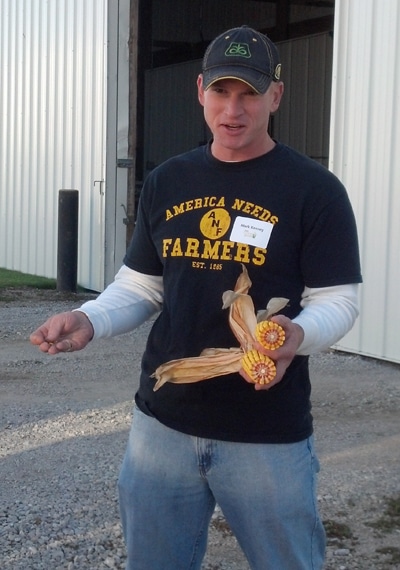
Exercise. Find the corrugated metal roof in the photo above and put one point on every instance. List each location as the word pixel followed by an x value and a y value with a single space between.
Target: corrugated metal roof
pixel 364 153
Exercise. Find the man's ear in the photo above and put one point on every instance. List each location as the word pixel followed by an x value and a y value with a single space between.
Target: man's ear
pixel 200 89
pixel 278 89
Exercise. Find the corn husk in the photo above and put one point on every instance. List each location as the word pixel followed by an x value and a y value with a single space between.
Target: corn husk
pixel 275 305
pixel 214 362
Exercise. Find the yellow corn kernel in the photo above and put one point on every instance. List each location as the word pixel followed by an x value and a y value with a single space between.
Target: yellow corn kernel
pixel 270 335
pixel 259 367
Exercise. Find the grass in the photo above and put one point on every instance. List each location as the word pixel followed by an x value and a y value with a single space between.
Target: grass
pixel 393 552
pixel 390 519
pixel 337 530
pixel 16 279
pixel 14 285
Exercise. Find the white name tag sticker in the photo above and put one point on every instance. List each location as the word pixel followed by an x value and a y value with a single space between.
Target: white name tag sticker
pixel 251 231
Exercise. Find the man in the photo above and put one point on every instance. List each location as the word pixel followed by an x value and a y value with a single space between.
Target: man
pixel 242 199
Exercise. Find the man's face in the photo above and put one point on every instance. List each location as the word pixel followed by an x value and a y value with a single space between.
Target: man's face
pixel 238 117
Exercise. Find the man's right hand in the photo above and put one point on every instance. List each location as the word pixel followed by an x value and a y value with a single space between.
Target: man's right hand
pixel 65 332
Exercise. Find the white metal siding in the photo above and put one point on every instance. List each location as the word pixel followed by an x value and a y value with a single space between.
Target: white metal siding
pixel 118 23
pixel 365 150
pixel 52 104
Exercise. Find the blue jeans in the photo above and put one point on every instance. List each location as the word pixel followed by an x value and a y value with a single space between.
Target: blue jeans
pixel 170 482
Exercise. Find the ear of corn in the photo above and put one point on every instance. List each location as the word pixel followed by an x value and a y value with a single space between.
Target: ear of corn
pixel 259 367
pixel 214 362
pixel 270 335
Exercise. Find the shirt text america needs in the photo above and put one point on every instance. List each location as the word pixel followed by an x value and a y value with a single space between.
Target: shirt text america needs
pixel 213 202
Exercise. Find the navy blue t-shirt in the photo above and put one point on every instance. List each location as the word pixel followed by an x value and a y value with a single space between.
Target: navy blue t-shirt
pixel 190 211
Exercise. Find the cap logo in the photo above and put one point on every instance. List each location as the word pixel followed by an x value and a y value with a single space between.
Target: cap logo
pixel 277 73
pixel 238 49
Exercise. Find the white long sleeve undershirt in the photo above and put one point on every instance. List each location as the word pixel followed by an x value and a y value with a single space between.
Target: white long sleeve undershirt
pixel 130 300
pixel 328 313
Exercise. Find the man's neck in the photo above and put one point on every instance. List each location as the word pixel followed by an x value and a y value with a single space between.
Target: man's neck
pixel 240 155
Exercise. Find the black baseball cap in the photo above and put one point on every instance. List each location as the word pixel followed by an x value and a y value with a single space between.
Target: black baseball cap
pixel 245 54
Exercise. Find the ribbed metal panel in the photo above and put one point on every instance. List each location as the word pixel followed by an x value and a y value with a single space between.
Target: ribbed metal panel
pixel 52 104
pixel 302 121
pixel 203 20
pixel 174 118
pixel 365 150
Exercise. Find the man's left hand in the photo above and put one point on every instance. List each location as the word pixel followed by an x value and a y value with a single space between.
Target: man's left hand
pixel 282 356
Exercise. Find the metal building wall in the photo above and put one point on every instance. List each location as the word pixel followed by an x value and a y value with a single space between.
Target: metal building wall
pixel 202 21
pixel 303 117
pixel 52 104
pixel 302 121
pixel 364 153
pixel 173 116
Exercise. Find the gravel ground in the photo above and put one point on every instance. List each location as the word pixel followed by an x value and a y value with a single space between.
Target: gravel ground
pixel 64 423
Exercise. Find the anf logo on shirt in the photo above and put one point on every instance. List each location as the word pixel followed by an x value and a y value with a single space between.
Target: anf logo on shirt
pixel 238 49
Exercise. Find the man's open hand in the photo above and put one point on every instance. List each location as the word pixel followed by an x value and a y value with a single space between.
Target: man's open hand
pixel 65 332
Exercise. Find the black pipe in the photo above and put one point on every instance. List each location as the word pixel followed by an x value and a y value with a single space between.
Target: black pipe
pixel 67 246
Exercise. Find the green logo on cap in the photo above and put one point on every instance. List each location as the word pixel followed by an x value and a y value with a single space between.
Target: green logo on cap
pixel 239 49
